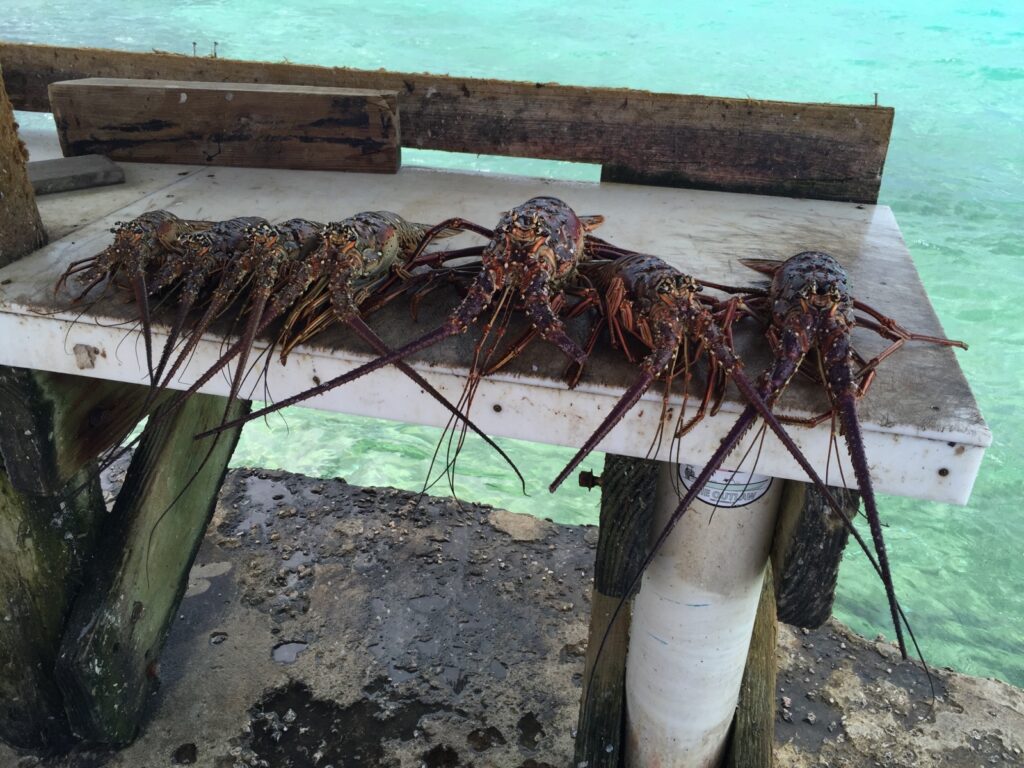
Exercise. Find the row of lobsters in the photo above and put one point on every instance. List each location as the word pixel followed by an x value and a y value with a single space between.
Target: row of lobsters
pixel 540 260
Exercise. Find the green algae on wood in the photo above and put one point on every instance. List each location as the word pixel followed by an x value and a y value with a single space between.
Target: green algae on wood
pixel 107 662
pixel 628 489
pixel 43 543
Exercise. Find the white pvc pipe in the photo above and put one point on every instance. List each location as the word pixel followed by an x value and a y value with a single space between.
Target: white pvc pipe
pixel 692 621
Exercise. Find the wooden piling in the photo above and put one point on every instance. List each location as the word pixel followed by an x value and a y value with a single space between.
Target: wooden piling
pixel 753 734
pixel 54 424
pixel 43 542
pixel 42 536
pixel 628 489
pixel 108 660
pixel 807 551
pixel 21 229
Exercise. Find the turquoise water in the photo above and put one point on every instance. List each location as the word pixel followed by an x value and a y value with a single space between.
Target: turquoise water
pixel 954 71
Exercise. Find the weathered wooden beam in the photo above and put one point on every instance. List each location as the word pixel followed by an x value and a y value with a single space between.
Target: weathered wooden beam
pixel 106 667
pixel 43 538
pixel 243 124
pixel 825 151
pixel 752 742
pixel 66 174
pixel 21 229
pixel 628 489
pixel 51 508
pixel 806 553
pixel 53 425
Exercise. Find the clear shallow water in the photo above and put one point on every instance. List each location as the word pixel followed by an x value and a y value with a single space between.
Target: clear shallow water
pixel 953 70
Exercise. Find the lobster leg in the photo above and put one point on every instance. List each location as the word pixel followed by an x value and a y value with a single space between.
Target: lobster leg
pixel 229 284
pixel 438 230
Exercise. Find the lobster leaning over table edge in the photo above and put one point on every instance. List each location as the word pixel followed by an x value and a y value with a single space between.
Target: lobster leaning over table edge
pixel 811 309
pixel 347 260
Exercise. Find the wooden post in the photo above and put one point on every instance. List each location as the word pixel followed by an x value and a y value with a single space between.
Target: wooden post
pixel 52 426
pixel 42 537
pixel 43 542
pixel 753 735
pixel 808 547
pixel 627 501
pixel 21 229
pixel 120 620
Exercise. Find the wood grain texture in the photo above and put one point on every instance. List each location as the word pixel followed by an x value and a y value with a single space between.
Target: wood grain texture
pixel 114 635
pixel 53 425
pixel 21 229
pixel 628 488
pixel 824 151
pixel 241 124
pixel 753 734
pixel 806 553
pixel 65 174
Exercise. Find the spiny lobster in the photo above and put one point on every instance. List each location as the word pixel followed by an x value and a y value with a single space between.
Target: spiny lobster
pixel 811 309
pixel 141 245
pixel 533 252
pixel 663 310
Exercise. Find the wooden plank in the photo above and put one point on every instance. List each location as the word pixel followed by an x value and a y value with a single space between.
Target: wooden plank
pixel 107 661
pixel 65 174
pixel 241 124
pixel 753 735
pixel 628 489
pixel 807 551
pixel 52 425
pixel 21 230
pixel 825 151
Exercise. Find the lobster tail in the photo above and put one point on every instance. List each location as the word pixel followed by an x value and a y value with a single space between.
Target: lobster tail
pixel 846 404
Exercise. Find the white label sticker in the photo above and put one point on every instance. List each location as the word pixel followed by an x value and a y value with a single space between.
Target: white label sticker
pixel 726 488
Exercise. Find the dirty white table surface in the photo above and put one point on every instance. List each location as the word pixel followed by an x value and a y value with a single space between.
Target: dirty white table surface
pixel 924 434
